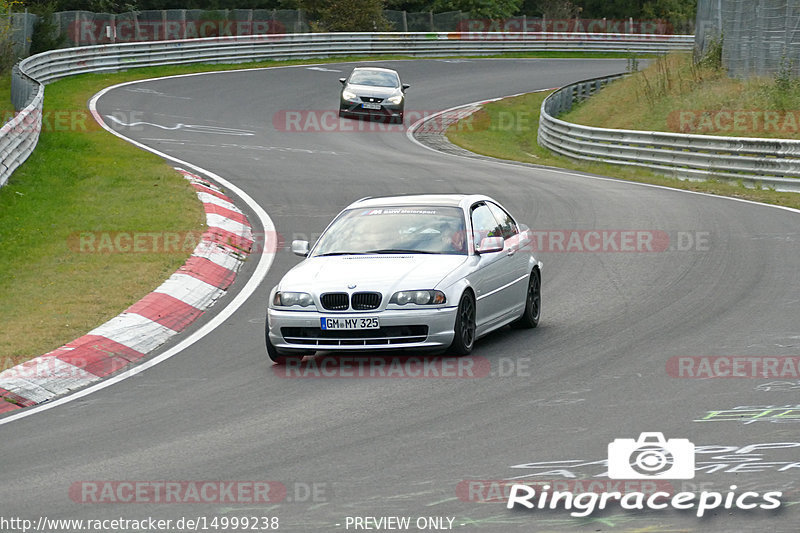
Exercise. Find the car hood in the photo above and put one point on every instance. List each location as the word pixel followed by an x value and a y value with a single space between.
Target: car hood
pixel 376 92
pixel 382 273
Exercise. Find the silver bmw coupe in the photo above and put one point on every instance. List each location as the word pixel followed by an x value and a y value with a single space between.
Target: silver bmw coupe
pixel 406 272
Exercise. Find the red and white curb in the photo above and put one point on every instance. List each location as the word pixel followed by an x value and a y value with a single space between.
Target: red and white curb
pixel 148 323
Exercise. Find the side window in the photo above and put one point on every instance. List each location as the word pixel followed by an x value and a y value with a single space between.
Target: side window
pixel 507 224
pixel 484 224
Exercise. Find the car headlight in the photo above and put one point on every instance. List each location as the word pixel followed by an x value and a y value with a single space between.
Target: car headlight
pixel 395 99
pixel 289 299
pixel 418 297
pixel 349 95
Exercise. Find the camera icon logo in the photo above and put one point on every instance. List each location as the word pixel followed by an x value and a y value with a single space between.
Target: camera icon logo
pixel 651 457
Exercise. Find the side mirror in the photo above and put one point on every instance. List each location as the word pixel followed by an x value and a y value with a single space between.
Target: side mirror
pixel 490 245
pixel 405 86
pixel 300 248
pixel 342 80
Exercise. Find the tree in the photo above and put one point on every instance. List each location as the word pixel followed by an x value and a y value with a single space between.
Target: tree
pixel 496 9
pixel 558 9
pixel 6 44
pixel 346 15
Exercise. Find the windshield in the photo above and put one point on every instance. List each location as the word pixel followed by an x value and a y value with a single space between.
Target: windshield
pixel 407 229
pixel 374 78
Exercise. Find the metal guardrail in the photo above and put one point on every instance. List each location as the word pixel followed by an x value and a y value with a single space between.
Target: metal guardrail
pixel 19 136
pixel 773 163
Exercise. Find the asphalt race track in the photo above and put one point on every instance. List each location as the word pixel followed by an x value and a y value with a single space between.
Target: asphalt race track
pixel 596 370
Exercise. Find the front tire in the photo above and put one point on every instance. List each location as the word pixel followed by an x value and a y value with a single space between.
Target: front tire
pixel 533 302
pixel 464 338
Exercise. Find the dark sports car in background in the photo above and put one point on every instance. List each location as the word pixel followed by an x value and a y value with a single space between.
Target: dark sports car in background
pixel 373 92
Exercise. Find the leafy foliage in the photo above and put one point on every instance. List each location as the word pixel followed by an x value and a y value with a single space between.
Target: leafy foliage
pixel 496 9
pixel 346 15
pixel 46 35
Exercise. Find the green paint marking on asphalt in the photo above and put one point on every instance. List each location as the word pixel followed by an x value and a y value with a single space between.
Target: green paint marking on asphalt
pixel 226 510
pixel 440 502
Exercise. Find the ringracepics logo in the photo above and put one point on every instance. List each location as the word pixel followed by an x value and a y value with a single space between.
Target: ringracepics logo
pixel 648 457
pixel 651 457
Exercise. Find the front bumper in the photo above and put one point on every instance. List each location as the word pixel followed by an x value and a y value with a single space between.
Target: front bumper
pixel 386 111
pixel 400 329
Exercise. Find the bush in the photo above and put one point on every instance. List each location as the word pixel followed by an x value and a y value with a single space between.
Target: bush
pixel 45 31
pixel 349 15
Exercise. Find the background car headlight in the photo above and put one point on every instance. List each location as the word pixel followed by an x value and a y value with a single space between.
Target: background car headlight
pixel 288 299
pixel 395 99
pixel 418 297
pixel 348 95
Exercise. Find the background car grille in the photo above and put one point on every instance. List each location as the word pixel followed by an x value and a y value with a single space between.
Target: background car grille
pixel 363 301
pixel 387 335
pixel 371 99
pixel 335 301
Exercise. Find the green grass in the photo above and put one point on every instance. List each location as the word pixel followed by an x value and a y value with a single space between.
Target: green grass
pixel 675 94
pixel 6 108
pixel 81 181
pixel 507 129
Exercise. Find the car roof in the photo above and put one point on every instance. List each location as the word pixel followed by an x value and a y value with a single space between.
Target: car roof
pixel 453 200
pixel 382 69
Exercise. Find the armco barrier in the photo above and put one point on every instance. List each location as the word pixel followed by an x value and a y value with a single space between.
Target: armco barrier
pixel 773 163
pixel 19 136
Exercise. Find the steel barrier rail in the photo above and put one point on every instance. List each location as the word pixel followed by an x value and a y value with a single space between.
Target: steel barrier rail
pixel 773 163
pixel 19 136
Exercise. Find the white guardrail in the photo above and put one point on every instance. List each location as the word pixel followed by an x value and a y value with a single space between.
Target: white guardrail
pixel 19 136
pixel 771 163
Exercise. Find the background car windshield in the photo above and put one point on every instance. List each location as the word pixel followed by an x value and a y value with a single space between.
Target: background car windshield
pixel 412 229
pixel 374 78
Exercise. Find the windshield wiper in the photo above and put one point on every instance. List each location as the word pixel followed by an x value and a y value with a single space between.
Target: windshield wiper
pixel 400 251
pixel 340 253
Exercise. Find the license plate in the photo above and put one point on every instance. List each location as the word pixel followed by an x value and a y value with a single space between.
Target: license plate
pixel 367 322
pixel 371 106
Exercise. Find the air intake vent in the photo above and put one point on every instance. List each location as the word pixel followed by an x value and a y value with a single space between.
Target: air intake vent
pixel 364 301
pixel 335 301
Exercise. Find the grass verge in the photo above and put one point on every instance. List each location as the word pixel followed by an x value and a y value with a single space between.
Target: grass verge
pixel 81 181
pixel 507 129
pixel 676 94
